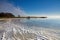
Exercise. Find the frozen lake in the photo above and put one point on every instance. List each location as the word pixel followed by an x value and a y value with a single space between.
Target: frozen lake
pixel 40 29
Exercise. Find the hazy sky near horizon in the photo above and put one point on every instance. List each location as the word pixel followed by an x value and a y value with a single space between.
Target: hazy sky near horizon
pixel 36 7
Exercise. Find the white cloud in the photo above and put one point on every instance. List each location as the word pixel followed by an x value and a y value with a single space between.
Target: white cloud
pixel 7 7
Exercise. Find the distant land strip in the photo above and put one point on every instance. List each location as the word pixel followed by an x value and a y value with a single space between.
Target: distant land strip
pixel 25 17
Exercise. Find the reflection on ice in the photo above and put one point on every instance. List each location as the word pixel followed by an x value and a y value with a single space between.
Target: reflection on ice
pixel 12 31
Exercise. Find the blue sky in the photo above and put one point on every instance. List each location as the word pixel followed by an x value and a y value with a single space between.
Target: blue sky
pixel 37 7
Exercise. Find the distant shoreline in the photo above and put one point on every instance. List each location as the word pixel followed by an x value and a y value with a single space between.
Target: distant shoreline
pixel 24 17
